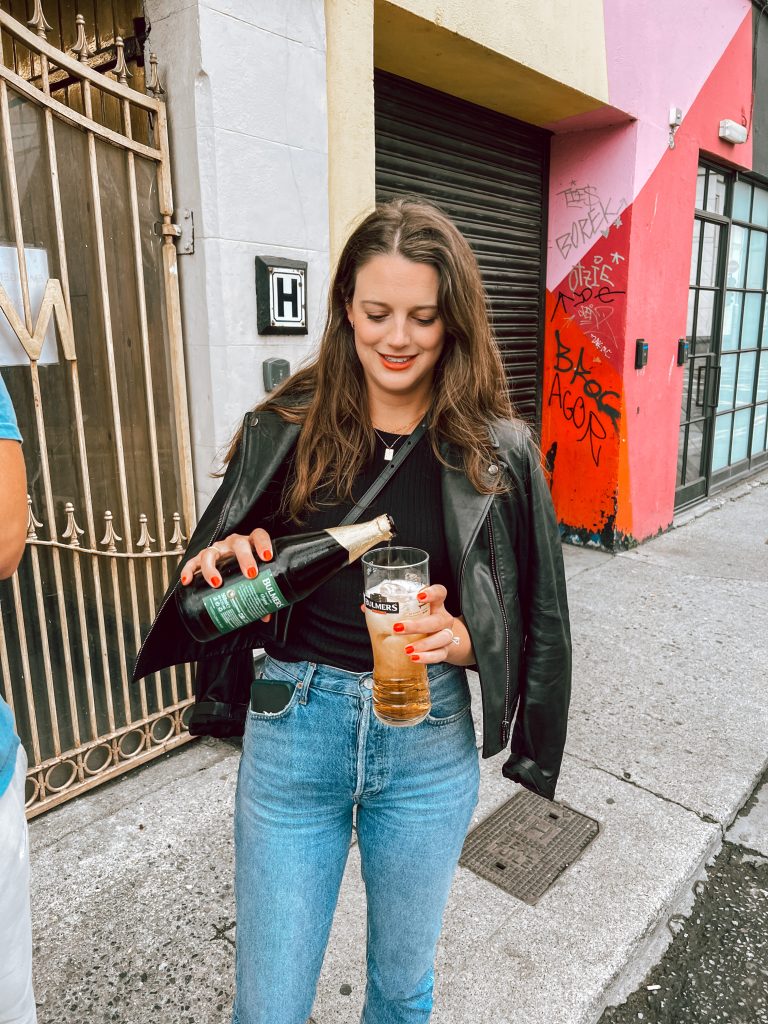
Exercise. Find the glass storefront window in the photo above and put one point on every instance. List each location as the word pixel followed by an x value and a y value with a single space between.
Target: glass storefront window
pixel 701 184
pixel 762 377
pixel 756 264
pixel 750 324
pixel 689 315
pixel 760 207
pixel 727 383
pixel 732 320
pixel 758 430
pixel 727 327
pixel 746 380
pixel 704 315
pixel 741 421
pixel 722 441
pixel 708 272
pixel 742 200
pixel 737 251
pixel 716 192
pixel 695 250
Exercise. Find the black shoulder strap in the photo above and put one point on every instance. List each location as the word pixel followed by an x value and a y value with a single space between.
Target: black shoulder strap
pixel 386 474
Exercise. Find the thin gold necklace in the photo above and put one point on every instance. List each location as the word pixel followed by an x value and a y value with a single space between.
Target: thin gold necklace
pixel 389 449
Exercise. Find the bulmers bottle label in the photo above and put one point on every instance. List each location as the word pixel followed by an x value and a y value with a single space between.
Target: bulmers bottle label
pixel 245 602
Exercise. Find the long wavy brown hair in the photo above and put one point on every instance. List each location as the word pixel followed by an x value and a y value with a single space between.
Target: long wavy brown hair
pixel 328 396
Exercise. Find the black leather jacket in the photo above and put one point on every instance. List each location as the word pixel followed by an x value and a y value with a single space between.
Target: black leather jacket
pixel 506 556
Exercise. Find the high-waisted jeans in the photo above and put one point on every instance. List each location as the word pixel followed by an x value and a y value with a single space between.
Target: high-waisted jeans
pixel 302 772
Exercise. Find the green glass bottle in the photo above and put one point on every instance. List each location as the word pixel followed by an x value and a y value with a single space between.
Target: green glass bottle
pixel 300 565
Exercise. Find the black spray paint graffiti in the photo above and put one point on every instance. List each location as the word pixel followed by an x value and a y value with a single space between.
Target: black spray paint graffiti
pixel 572 404
pixel 598 216
pixel 590 301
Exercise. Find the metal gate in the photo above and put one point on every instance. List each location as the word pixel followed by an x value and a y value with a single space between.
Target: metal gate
pixel 91 353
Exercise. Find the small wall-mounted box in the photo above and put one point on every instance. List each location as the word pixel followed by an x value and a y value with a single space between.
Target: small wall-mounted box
pixel 682 352
pixel 275 371
pixel 641 353
pixel 733 132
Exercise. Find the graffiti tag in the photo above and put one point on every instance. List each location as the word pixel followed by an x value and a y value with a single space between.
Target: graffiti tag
pixel 569 374
pixel 599 216
pixel 590 301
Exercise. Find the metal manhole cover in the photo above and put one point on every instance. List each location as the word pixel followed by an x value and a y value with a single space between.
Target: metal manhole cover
pixel 526 844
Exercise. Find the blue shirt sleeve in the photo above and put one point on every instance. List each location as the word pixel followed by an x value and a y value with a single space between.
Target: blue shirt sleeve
pixel 9 741
pixel 9 428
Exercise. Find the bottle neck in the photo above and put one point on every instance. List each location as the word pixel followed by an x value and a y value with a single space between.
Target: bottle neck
pixel 358 538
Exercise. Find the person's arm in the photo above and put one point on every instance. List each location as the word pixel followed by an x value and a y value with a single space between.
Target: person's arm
pixel 538 737
pixel 13 506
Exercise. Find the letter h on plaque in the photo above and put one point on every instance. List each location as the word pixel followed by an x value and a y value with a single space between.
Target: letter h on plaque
pixel 281 295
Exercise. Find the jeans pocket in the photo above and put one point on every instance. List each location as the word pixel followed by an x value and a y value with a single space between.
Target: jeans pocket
pixel 280 674
pixel 450 697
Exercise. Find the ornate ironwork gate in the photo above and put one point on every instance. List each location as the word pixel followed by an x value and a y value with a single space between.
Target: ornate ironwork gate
pixel 91 352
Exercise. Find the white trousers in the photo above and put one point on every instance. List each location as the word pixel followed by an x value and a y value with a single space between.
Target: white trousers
pixel 17 1001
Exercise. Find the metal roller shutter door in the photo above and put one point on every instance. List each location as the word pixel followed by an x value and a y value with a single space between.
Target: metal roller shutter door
pixel 489 173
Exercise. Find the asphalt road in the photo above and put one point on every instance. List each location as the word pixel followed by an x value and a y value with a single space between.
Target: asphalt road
pixel 715 970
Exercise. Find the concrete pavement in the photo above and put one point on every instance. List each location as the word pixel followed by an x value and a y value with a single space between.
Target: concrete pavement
pixel 716 966
pixel 132 894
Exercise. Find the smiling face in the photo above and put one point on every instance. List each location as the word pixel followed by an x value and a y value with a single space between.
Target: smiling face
pixel 399 335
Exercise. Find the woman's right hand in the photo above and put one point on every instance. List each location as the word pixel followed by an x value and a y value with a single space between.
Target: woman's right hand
pixel 242 546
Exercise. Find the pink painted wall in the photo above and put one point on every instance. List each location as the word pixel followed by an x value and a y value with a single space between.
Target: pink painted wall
pixel 620 228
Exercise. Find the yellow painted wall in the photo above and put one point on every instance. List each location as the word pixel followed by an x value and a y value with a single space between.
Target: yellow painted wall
pixel 351 144
pixel 538 46
pixel 536 60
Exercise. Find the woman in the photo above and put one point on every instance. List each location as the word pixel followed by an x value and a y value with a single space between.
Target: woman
pixel 407 339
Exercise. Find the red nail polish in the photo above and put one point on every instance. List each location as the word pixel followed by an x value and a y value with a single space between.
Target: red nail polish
pixel 398 627
pixel 185 579
pixel 421 597
pixel 215 581
pixel 414 657
pixel 267 556
pixel 409 649
pixel 251 574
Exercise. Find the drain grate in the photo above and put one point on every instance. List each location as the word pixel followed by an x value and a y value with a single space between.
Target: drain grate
pixel 526 844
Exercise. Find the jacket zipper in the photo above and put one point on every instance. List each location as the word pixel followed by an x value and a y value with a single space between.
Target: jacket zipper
pixel 222 517
pixel 506 724
pixel 470 542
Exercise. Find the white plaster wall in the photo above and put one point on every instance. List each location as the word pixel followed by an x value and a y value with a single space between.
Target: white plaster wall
pixel 246 93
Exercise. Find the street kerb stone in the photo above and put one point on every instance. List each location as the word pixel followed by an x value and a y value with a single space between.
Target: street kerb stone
pixel 526 844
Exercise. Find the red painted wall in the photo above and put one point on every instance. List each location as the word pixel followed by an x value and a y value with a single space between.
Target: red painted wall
pixel 657 293
pixel 620 251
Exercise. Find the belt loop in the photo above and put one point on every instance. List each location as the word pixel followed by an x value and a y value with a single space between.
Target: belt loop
pixel 305 683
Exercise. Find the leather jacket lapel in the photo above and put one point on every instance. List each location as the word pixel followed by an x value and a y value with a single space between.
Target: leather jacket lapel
pixel 464 511
pixel 267 441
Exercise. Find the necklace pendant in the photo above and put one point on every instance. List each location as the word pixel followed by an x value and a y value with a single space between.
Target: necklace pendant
pixel 389 454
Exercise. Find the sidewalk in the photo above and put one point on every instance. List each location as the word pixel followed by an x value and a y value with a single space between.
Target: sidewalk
pixel 132 895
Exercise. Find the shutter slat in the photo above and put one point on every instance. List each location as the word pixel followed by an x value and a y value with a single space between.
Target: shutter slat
pixel 489 173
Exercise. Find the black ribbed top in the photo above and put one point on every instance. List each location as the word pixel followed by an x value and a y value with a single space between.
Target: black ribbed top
pixel 328 626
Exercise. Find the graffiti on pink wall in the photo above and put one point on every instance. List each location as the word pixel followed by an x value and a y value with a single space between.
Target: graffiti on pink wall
pixel 620 219
pixel 594 217
pixel 582 407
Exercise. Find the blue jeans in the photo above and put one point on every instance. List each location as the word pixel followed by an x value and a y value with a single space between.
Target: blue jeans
pixel 302 772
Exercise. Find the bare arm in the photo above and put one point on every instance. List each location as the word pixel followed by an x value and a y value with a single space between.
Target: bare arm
pixel 13 507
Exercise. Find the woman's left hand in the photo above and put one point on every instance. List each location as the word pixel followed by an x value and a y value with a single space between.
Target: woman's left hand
pixel 440 628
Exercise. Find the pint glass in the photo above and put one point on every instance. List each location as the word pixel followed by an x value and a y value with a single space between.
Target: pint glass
pixel 393 577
